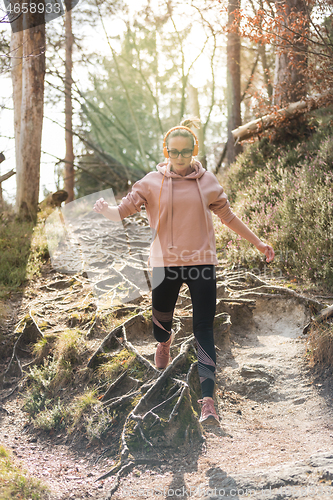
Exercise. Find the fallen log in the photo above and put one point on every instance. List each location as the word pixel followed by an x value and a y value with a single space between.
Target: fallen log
pixel 257 126
pixel 319 318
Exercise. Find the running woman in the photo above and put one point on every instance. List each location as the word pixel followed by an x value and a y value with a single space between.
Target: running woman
pixel 179 198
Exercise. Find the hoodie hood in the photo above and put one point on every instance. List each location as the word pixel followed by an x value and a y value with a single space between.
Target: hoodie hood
pixel 164 169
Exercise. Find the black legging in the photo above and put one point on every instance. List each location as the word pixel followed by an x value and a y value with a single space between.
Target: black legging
pixel 201 281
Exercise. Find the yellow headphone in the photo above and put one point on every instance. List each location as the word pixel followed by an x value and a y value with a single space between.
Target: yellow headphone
pixel 196 146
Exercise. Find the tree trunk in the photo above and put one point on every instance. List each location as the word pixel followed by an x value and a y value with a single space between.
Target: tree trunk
pixel 289 81
pixel 16 49
pixel 69 158
pixel 33 73
pixel 194 107
pixel 267 78
pixel 233 82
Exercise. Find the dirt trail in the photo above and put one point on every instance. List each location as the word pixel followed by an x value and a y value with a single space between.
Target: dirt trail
pixel 275 439
pixel 276 435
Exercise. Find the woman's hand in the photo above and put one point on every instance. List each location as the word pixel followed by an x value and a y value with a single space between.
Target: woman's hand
pixel 101 206
pixel 267 250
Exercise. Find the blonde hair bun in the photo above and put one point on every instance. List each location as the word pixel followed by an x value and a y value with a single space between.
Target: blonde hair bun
pixel 191 121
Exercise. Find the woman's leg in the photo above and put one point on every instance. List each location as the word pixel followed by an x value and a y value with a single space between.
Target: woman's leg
pixel 164 298
pixel 201 281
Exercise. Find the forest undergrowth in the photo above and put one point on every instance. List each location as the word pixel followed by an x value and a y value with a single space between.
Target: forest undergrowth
pixel 282 187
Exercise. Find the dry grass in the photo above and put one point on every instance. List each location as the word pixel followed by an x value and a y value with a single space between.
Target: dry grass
pixel 70 346
pixel 83 403
pixel 119 362
pixel 42 348
pixel 320 345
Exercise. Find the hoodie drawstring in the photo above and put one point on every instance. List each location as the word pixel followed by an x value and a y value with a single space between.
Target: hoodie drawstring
pixel 164 168
pixel 170 214
pixel 204 209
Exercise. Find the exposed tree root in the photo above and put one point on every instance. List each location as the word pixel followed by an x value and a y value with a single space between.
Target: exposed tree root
pixel 264 286
pixel 125 469
pixel 121 311
pixel 165 374
pixel 153 410
pixel 112 404
pixel 12 391
pixel 113 334
pixel 238 300
pixel 30 333
pixel 165 399
pixel 113 386
pixel 91 327
pixel 131 348
pixel 61 284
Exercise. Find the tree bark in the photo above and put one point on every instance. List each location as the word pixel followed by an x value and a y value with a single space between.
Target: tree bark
pixel 33 74
pixel 69 158
pixel 289 81
pixel 16 48
pixel 233 82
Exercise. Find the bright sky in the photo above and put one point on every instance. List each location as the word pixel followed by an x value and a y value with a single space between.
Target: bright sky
pixel 53 141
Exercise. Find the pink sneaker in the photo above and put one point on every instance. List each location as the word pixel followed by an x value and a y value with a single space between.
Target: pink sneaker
pixel 162 354
pixel 208 413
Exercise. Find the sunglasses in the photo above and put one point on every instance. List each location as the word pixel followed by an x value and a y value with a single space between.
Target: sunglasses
pixel 185 153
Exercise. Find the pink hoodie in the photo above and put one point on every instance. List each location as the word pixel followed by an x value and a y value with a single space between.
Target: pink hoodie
pixel 186 234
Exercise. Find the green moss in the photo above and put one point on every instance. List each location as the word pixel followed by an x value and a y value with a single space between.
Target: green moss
pixel 133 439
pixel 189 427
pixel 138 370
pixel 148 314
pixel 192 357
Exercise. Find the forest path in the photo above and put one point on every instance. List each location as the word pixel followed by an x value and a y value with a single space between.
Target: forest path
pixel 276 435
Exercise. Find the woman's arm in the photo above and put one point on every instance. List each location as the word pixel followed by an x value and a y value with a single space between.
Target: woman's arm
pixel 240 228
pixel 102 207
